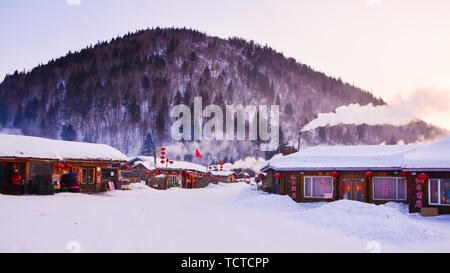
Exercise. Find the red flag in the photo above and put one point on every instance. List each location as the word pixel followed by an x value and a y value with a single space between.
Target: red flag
pixel 197 153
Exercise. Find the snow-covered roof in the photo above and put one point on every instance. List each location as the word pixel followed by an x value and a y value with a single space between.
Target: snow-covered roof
pixel 18 146
pixel 357 157
pixel 148 162
pixel 432 156
pixel 221 173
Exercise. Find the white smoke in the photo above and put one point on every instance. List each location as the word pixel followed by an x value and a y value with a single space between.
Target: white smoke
pixel 428 104
pixel 249 163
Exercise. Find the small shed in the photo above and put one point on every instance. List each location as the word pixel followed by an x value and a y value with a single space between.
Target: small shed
pixel 222 176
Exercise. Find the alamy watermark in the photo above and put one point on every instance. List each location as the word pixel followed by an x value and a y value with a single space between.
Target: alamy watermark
pixel 256 116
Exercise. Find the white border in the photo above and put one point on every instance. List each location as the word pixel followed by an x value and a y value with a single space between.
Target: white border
pixel 439 192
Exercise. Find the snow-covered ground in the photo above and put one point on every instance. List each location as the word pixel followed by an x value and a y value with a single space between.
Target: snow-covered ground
pixel 219 218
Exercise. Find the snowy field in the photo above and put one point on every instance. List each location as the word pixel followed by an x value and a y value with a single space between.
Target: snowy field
pixel 220 218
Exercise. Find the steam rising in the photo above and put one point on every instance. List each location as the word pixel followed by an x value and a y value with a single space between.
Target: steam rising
pixel 428 104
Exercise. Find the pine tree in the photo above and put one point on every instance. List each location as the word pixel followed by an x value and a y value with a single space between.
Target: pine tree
pixel 18 118
pixel 68 133
pixel 148 146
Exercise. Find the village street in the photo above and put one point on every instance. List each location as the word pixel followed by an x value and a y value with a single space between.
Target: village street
pixel 219 218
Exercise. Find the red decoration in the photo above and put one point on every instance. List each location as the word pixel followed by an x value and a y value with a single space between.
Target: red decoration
pixel 422 176
pixel 404 174
pixel 368 174
pixel 155 171
pixel 171 162
pixel 257 181
pixel 68 165
pixel 260 175
pixel 163 153
pixel 213 176
pixel 162 161
pixel 162 149
pixel 210 167
pixel 334 174
pixel 147 173
pixel 59 166
pixel 126 167
pixel 277 175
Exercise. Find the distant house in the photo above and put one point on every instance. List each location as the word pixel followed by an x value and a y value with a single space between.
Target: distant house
pixel 181 173
pixel 418 175
pixel 222 176
pixel 94 164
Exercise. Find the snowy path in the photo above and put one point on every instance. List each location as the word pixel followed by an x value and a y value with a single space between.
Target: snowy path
pixel 222 218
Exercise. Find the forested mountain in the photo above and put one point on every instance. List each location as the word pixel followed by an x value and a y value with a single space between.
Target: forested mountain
pixel 120 92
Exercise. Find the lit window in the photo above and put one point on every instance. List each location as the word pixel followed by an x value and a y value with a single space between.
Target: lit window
pixel 439 191
pixel 389 188
pixel 318 187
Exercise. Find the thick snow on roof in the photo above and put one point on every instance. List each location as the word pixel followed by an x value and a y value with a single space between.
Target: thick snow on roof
pixel 344 157
pixel 432 156
pixel 221 173
pixel 44 148
pixel 148 162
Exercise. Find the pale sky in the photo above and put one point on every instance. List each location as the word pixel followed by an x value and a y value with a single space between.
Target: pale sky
pixel 393 48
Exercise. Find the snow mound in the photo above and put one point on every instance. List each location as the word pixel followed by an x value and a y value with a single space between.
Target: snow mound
pixel 388 223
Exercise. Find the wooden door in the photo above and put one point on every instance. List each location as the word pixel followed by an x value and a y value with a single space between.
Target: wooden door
pixel 353 189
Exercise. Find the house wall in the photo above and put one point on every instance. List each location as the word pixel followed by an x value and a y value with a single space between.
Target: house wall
pixel 413 191
pixel 292 183
pixel 24 169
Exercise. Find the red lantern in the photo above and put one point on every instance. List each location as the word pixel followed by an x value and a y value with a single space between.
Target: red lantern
pixel 147 173
pixel 404 174
pixel 210 167
pixel 171 172
pixel 126 167
pixel 163 153
pixel 277 176
pixel 162 161
pixel 170 162
pixel 213 176
pixel 260 175
pixel 68 165
pixel 155 171
pixel 368 174
pixel 257 181
pixel 59 166
pixel 334 174
pixel 422 176
pixel 163 157
pixel 162 149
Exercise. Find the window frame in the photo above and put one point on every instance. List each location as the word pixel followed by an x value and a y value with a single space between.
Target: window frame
pixel 396 188
pixel 313 197
pixel 439 192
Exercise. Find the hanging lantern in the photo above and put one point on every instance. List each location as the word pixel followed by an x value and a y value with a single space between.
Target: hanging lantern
pixel 260 175
pixel 257 180
pixel 422 176
pixel 334 174
pixel 59 166
pixel 210 167
pixel 147 172
pixel 163 157
pixel 163 149
pixel 68 165
pixel 368 174
pixel 162 161
pixel 277 175
pixel 163 153
pixel 213 176
pixel 126 167
pixel 155 171
pixel 403 174
pixel 171 162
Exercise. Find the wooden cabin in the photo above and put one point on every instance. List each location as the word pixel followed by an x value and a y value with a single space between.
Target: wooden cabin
pixel 222 176
pixel 95 164
pixel 178 173
pixel 418 175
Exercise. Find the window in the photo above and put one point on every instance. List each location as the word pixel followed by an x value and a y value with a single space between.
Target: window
pixel 318 187
pixel 389 188
pixel 439 191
